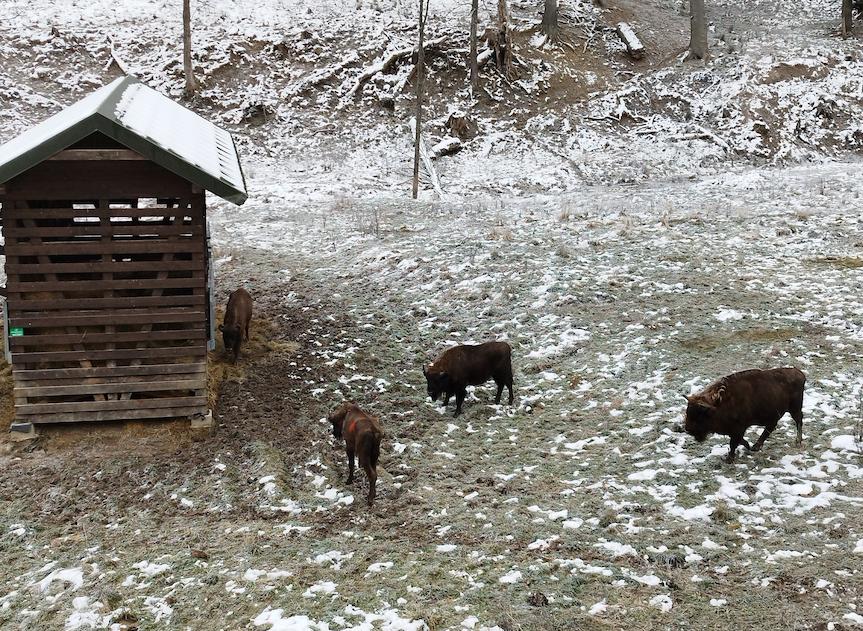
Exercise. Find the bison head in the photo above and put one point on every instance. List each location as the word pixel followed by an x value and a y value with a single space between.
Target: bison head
pixel 700 412
pixel 337 418
pixel 436 382
pixel 231 335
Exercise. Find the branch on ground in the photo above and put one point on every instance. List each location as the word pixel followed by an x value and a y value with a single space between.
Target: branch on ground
pixel 389 62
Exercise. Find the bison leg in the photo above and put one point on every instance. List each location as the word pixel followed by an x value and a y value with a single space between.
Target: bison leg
pixel 732 448
pixel 509 386
pixel 350 467
pixel 459 399
pixel 760 442
pixel 797 415
pixel 499 392
pixel 446 398
pixel 372 475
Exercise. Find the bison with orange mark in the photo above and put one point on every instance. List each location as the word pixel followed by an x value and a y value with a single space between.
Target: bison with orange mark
pixel 362 434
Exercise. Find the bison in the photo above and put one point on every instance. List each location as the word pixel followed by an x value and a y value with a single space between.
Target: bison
pixel 235 326
pixel 735 403
pixel 469 365
pixel 363 435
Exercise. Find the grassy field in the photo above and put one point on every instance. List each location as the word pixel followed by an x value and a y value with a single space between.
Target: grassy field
pixel 580 506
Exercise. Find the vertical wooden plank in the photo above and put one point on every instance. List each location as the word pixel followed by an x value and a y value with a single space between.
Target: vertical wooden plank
pixel 161 275
pixel 31 223
pixel 107 257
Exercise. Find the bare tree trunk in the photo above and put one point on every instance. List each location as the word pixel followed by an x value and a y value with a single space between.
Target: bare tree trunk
pixel 187 49
pixel 549 21
pixel 474 66
pixel 506 36
pixel 698 30
pixel 846 18
pixel 421 24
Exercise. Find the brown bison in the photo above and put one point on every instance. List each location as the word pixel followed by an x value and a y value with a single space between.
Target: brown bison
pixel 235 326
pixel 737 402
pixel 469 365
pixel 362 434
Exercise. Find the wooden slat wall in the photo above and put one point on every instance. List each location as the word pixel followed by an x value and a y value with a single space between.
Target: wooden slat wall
pixel 112 298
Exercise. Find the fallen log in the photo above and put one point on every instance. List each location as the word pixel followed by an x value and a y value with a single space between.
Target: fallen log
pixel 446 147
pixel 316 77
pixel 484 57
pixel 386 64
pixel 700 133
pixel 633 45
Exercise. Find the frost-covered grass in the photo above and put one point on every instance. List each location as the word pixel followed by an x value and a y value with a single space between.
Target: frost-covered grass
pixel 616 301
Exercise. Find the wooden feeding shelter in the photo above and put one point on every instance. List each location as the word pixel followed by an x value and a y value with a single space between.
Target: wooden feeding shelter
pixel 108 311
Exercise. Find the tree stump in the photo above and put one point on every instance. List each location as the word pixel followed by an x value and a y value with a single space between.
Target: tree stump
pixel 461 125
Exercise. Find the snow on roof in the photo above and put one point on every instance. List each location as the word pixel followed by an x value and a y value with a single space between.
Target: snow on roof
pixel 182 132
pixel 52 127
pixel 145 121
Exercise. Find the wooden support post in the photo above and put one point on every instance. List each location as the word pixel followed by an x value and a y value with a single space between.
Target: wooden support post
pixel 22 431
pixel 202 421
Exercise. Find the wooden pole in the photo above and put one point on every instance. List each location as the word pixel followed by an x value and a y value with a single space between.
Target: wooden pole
pixel 423 7
pixel 474 65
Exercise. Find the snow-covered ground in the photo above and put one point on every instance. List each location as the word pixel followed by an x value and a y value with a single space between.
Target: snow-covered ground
pixel 781 87
pixel 615 301
pixel 632 245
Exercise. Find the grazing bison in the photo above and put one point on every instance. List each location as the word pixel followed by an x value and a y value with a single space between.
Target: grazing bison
pixel 235 326
pixel 737 402
pixel 469 365
pixel 362 434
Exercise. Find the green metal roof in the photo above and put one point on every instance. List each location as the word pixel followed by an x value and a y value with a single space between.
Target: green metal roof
pixel 145 121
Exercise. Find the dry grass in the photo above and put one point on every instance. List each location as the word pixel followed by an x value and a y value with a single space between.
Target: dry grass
pixel 7 403
pixel 220 367
pixel 839 262
pixel 753 335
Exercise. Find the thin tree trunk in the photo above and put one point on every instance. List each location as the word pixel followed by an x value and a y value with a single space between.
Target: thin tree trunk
pixel 423 6
pixel 474 66
pixel 846 18
pixel 549 20
pixel 503 19
pixel 698 30
pixel 187 49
